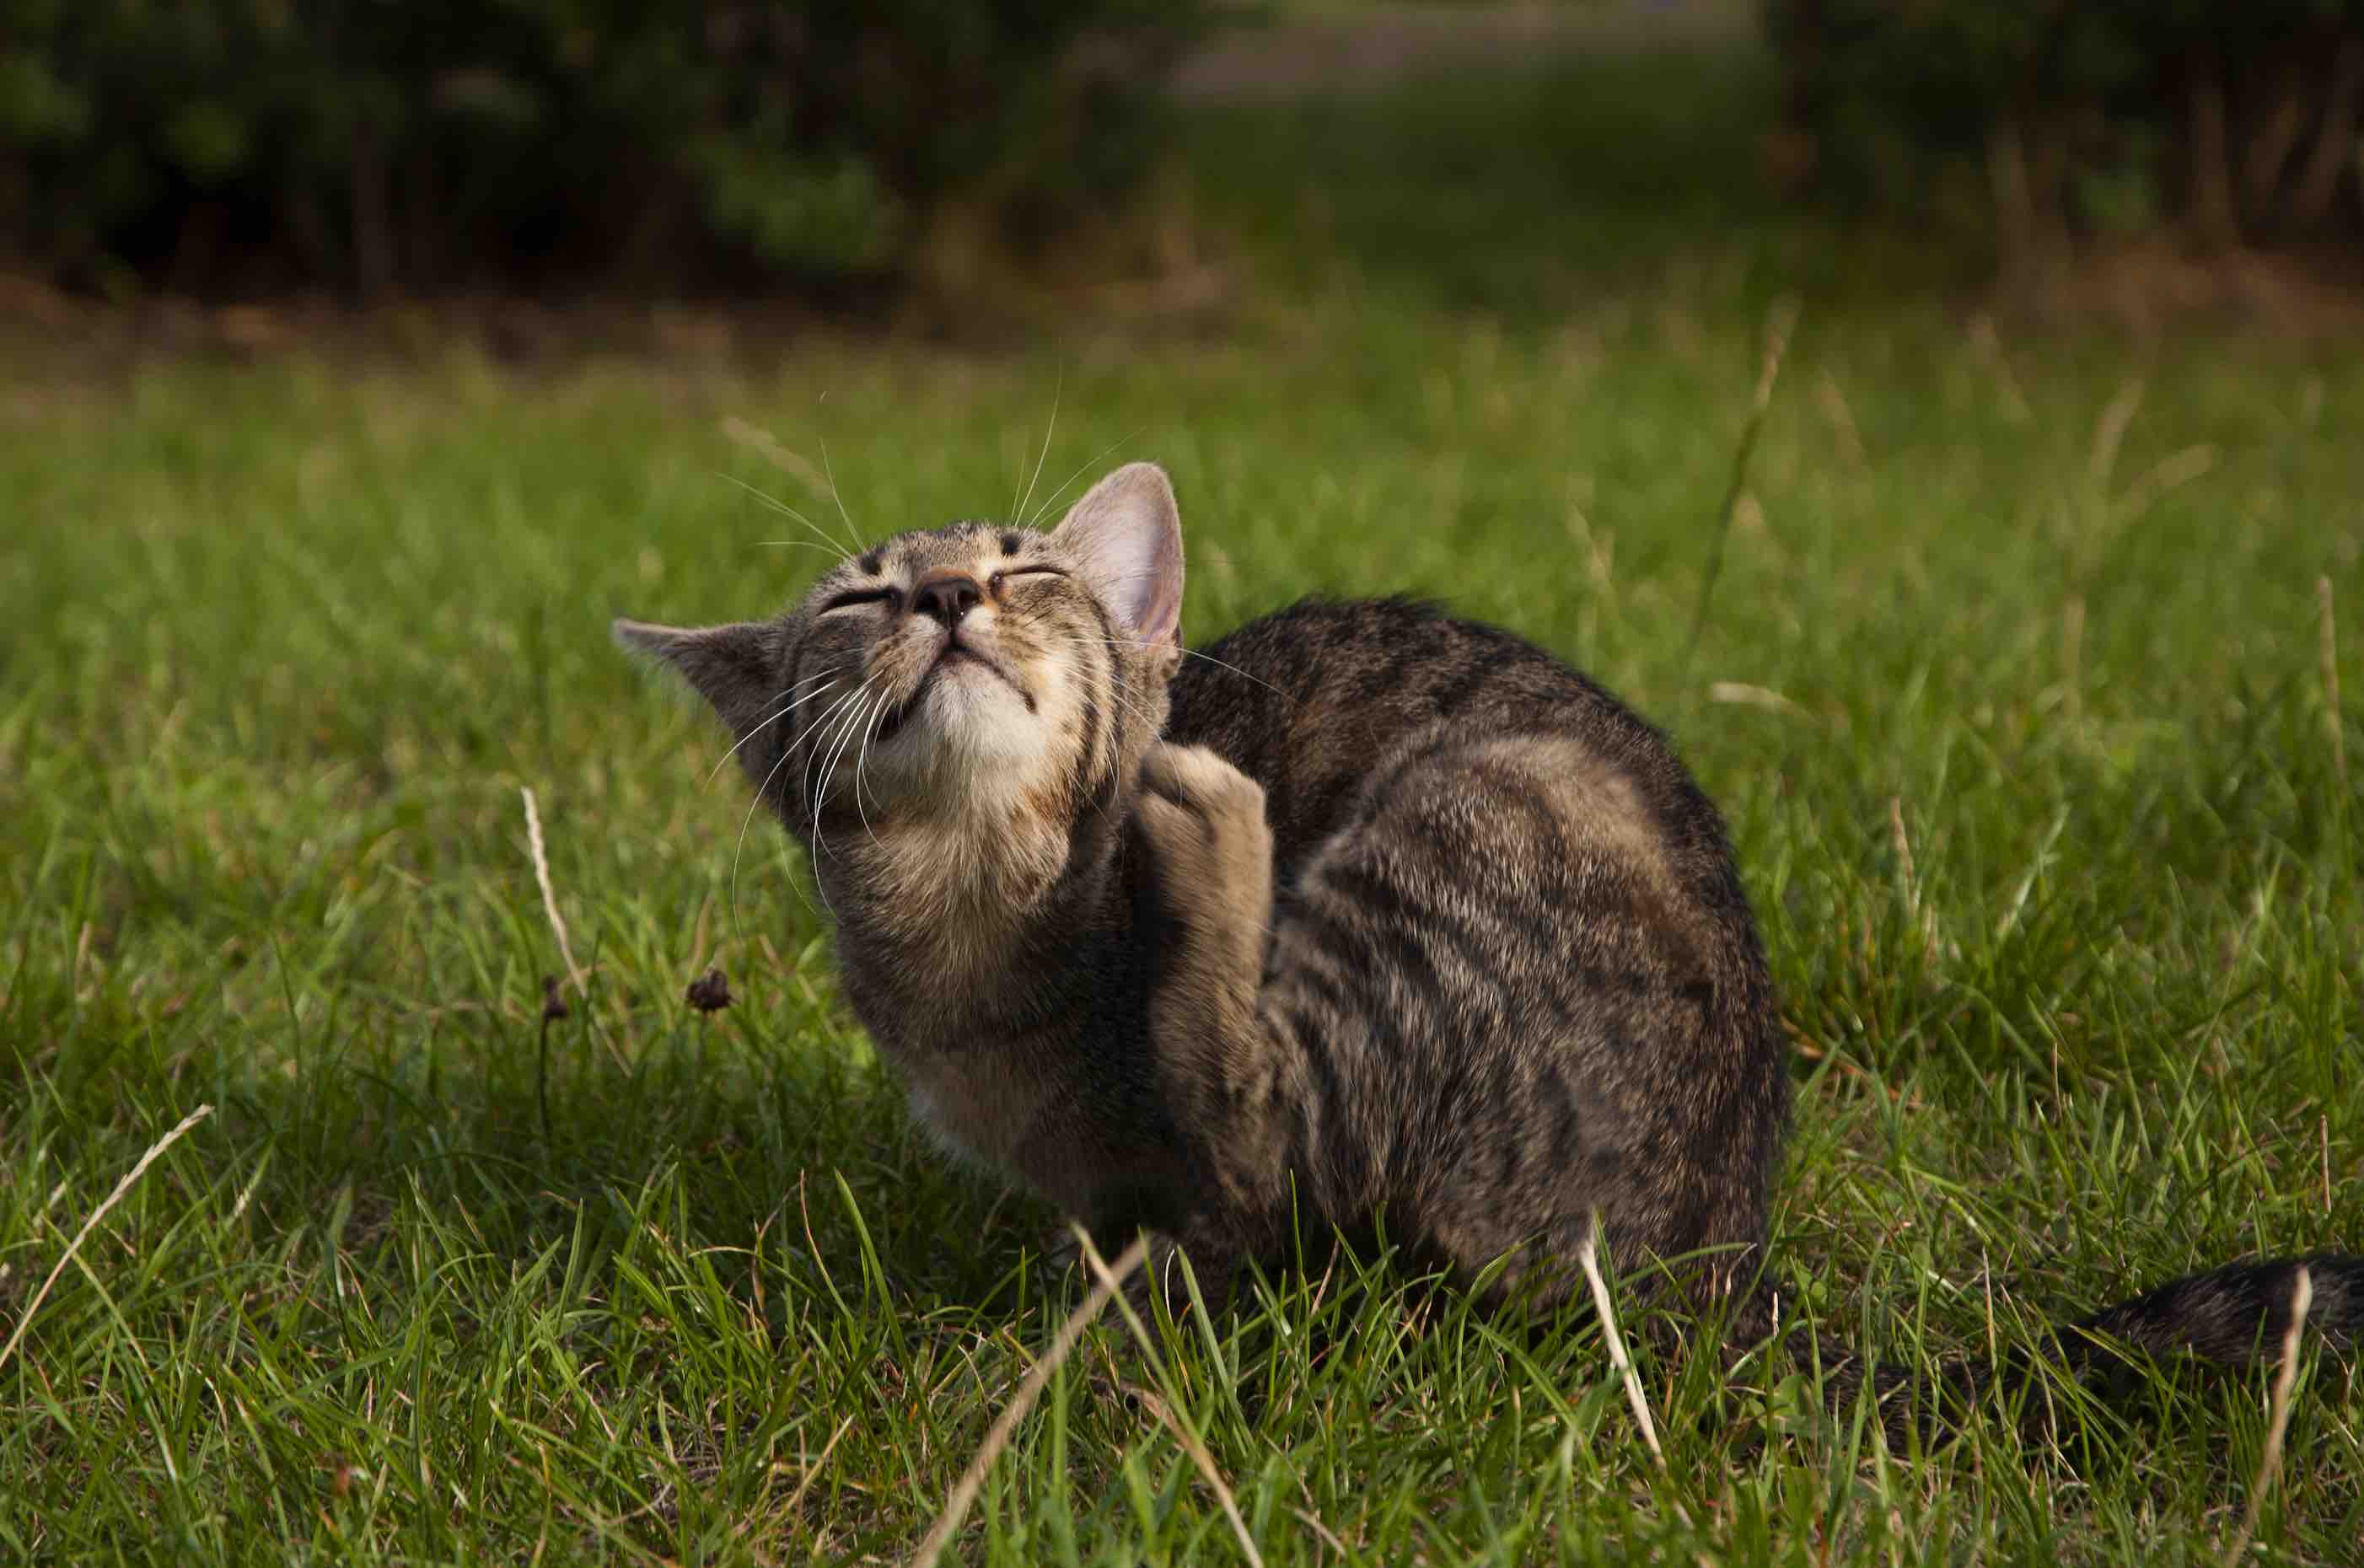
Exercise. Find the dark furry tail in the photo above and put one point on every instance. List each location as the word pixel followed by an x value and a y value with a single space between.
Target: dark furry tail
pixel 2236 1315
pixel 2233 1316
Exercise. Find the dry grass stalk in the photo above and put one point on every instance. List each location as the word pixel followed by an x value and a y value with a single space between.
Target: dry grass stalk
pixel 549 894
pixel 1206 1464
pixel 130 1177
pixel 1903 850
pixel 2323 1132
pixel 1779 322
pixel 1986 344
pixel 1741 692
pixel 1587 1258
pixel 2170 472
pixel 765 445
pixel 1030 1389
pixel 1321 1531
pixel 813 1470
pixel 1833 401
pixel 2270 1463
pixel 1165 1414
pixel 2111 430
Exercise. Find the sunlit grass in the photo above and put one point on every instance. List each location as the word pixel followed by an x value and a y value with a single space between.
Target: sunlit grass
pixel 2022 728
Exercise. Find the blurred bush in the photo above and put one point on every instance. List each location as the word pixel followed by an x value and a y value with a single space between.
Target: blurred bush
pixel 2049 119
pixel 423 146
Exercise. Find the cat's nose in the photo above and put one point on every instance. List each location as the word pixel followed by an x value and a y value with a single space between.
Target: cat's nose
pixel 947 596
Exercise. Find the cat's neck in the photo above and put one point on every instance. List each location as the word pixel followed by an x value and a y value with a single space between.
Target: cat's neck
pixel 943 919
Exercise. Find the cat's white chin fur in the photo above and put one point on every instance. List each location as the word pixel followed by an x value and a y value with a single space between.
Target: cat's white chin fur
pixel 969 740
pixel 977 716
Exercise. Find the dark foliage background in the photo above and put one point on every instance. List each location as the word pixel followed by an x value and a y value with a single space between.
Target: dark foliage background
pixel 379 147
pixel 2055 119
pixel 419 146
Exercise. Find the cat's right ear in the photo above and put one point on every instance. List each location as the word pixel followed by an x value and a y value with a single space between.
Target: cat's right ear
pixel 1126 533
pixel 730 666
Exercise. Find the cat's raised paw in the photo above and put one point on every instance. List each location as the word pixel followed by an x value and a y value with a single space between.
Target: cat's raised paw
pixel 1204 823
pixel 1199 779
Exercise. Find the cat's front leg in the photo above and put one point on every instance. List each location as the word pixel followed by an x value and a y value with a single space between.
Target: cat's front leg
pixel 1211 867
pixel 1211 1243
pixel 1208 852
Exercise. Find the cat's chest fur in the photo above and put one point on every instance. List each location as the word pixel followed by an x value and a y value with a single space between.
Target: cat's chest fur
pixel 970 958
pixel 972 1104
pixel 970 1079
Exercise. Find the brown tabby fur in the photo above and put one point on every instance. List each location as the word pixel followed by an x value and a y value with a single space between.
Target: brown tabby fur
pixel 1369 920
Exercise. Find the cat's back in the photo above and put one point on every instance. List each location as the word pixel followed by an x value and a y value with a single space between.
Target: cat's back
pixel 1316 701
pixel 1509 938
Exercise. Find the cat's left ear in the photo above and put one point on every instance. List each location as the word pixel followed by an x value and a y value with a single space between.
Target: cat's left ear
pixel 730 666
pixel 1126 534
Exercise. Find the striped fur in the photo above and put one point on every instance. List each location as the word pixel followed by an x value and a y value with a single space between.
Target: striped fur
pixel 1369 916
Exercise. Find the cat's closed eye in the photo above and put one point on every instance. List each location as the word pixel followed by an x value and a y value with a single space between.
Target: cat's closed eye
pixel 891 597
pixel 998 579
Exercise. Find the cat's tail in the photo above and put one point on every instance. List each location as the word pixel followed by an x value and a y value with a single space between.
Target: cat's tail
pixel 2239 1314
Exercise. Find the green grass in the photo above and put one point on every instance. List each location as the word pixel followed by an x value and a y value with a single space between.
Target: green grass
pixel 280 645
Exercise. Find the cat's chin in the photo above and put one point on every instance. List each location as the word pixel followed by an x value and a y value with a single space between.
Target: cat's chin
pixel 968 724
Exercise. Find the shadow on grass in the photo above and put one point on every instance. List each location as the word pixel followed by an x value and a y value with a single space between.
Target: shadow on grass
pixel 723 1135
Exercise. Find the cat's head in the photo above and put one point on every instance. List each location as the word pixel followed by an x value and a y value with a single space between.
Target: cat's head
pixel 983 673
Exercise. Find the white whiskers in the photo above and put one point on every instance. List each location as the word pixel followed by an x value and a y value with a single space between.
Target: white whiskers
pixel 742 740
pixel 765 789
pixel 761 790
pixel 831 474
pixel 835 740
pixel 836 546
pixel 1052 499
pixel 1186 653
pixel 862 760
pixel 1017 505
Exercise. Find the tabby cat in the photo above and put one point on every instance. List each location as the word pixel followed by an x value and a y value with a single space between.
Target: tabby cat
pixel 1369 916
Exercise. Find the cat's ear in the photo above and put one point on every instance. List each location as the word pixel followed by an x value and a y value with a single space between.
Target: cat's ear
pixel 730 666
pixel 1126 534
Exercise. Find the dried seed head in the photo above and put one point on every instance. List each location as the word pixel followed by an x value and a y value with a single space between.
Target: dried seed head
pixel 709 992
